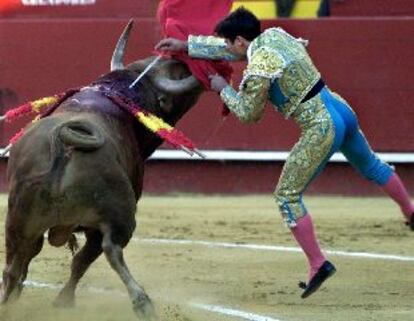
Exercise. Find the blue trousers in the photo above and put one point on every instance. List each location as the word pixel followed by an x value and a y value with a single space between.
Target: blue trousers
pixel 350 140
pixel 328 125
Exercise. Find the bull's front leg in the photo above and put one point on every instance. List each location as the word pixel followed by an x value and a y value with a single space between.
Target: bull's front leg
pixel 142 304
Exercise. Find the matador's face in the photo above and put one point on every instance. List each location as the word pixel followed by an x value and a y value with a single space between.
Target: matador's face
pixel 238 47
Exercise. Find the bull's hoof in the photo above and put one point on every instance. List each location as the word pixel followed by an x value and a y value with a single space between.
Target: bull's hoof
pixel 2 297
pixel 64 301
pixel 143 308
pixel 9 297
pixel 411 223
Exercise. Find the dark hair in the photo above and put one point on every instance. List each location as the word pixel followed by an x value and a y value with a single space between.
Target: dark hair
pixel 239 23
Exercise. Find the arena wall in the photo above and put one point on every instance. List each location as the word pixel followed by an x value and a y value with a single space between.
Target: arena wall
pixel 368 61
pixel 369 8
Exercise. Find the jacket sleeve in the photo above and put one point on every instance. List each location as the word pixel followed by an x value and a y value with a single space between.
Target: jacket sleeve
pixel 208 47
pixel 248 104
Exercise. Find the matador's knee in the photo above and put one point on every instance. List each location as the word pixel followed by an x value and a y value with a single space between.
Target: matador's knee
pixel 378 171
pixel 290 205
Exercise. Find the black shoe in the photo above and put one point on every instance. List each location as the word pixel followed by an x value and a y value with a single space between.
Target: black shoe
pixel 325 271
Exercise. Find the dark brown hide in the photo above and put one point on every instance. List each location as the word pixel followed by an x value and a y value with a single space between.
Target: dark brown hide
pixel 81 168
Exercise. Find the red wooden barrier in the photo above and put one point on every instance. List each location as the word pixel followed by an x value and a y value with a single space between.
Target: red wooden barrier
pixel 367 61
pixel 352 8
pixel 77 8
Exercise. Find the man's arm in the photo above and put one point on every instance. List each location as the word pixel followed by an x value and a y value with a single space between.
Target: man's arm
pixel 209 47
pixel 204 47
pixel 248 104
pixel 172 44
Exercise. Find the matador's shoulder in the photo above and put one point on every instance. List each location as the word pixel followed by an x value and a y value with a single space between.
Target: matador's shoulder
pixel 264 58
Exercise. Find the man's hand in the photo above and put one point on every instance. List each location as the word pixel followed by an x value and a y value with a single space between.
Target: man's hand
pixel 217 83
pixel 172 45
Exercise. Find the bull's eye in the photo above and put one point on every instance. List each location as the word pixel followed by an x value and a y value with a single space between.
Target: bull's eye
pixel 164 103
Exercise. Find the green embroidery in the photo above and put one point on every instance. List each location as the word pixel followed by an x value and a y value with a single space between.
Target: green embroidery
pixel 265 63
pixel 298 74
pixel 249 103
pixel 208 47
pixel 305 158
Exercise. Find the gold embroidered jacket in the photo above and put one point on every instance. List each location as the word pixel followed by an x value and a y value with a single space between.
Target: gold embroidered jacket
pixel 279 69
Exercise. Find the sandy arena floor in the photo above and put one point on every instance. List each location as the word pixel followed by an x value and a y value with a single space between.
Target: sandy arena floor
pixel 211 281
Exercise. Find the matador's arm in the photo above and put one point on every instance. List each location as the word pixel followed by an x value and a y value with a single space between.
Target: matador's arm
pixel 209 47
pixel 248 104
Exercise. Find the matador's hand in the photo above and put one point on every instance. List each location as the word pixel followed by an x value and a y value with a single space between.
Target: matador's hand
pixel 217 83
pixel 172 44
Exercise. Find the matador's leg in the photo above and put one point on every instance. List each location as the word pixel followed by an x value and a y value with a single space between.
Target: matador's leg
pixel 360 155
pixel 322 134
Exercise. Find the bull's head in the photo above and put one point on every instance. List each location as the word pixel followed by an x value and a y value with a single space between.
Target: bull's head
pixel 168 88
pixel 177 88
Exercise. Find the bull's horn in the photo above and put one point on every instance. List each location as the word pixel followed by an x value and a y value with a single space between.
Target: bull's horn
pixel 176 87
pixel 119 51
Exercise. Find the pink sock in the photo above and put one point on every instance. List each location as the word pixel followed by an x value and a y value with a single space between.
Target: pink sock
pixel 396 190
pixel 304 234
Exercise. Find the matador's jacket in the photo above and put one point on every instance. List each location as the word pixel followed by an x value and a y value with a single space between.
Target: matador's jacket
pixel 280 70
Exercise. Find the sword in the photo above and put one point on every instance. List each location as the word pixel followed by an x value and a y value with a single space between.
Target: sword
pixel 142 74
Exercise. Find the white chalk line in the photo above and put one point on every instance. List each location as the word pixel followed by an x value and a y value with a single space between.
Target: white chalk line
pixel 37 284
pixel 234 313
pixel 260 247
pixel 274 248
pixel 207 307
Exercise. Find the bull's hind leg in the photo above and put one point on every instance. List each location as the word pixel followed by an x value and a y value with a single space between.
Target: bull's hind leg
pixel 81 262
pixel 19 253
pixel 33 251
pixel 112 247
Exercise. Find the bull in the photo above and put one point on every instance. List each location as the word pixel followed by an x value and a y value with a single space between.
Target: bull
pixel 81 170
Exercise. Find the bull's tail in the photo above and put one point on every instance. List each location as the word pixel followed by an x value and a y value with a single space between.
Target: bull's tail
pixel 73 135
pixel 81 135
